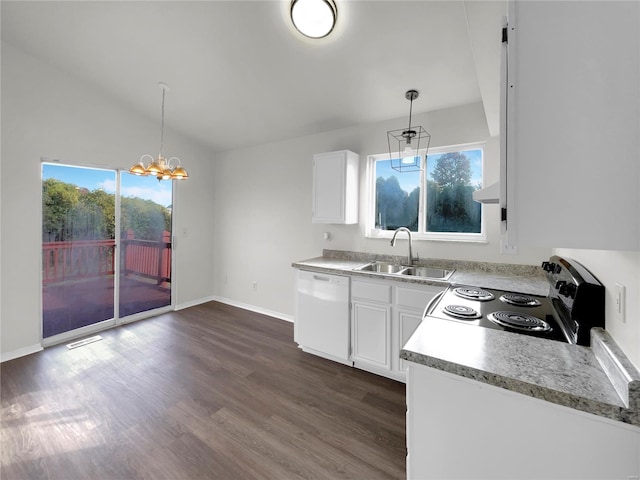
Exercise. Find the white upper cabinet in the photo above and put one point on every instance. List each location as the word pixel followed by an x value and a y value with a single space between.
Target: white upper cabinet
pixel 573 125
pixel 335 187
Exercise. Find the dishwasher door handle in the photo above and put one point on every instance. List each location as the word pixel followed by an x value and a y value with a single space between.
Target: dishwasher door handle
pixel 322 279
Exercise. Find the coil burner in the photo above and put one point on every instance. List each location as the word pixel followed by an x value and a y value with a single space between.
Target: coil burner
pixel 568 313
pixel 461 312
pixel 519 321
pixel 520 300
pixel 471 293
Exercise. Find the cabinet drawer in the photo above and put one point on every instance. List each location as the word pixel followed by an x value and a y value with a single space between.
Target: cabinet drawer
pixel 376 292
pixel 414 298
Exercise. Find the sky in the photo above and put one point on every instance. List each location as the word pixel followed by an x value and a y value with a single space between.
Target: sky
pixel 147 188
pixel 410 180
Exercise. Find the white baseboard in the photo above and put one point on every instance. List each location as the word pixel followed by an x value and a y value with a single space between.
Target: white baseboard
pixel 253 308
pixel 21 352
pixel 233 303
pixel 193 303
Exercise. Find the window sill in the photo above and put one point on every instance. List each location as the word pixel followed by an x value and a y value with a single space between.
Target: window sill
pixel 432 237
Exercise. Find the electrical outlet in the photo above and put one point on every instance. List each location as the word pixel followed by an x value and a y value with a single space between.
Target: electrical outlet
pixel 255 285
pixel 620 302
pixel 507 249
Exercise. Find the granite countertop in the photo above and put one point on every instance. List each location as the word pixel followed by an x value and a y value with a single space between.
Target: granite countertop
pixel 518 278
pixel 597 379
pixel 574 376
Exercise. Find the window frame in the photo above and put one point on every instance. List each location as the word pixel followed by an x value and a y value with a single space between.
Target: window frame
pixel 422 234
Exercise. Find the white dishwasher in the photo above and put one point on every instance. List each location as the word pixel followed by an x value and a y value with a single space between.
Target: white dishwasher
pixel 322 315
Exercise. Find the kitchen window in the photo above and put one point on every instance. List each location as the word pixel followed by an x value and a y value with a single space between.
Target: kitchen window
pixel 436 202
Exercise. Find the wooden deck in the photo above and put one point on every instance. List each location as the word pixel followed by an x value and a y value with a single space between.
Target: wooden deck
pixel 208 392
pixel 74 304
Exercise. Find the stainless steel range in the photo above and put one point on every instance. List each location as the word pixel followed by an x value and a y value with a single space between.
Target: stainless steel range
pixel 574 305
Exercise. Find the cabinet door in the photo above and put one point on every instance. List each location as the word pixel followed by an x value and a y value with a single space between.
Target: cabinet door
pixel 574 128
pixel 408 321
pixel 335 187
pixel 409 304
pixel 371 330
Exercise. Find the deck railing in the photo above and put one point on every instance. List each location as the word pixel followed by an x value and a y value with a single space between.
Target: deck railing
pixel 147 258
pixel 62 261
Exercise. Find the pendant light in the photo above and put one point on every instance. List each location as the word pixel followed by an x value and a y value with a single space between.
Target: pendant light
pixel 160 167
pixel 314 18
pixel 405 143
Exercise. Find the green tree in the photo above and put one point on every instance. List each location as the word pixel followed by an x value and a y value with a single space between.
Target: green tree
pixel 412 203
pixel 93 217
pixel 394 206
pixel 146 218
pixel 58 199
pixel 73 213
pixel 452 169
pixel 450 204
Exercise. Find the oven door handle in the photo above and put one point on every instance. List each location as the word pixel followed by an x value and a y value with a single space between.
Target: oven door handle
pixel 432 303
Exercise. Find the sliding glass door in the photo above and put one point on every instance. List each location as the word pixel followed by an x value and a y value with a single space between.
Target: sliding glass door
pixel 90 274
pixel 78 247
pixel 145 236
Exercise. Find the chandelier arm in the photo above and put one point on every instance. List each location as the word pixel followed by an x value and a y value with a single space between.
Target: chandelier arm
pixel 174 158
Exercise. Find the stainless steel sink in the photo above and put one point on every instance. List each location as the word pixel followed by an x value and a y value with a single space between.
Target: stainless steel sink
pixel 427 272
pixel 415 271
pixel 381 267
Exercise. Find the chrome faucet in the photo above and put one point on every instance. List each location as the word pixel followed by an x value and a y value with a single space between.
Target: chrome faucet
pixel 393 241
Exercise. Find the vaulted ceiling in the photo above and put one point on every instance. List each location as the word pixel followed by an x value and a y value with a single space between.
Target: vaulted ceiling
pixel 240 74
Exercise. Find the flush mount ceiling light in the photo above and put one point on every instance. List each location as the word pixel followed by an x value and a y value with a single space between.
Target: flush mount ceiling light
pixel 405 143
pixel 160 167
pixel 314 18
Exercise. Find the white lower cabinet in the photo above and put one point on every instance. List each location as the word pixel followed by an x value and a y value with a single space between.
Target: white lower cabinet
pixel 371 330
pixel 409 302
pixel 461 428
pixel 384 314
pixel 371 325
pixel 408 321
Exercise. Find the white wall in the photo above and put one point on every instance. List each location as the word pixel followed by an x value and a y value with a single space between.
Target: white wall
pixel 263 209
pixel 47 113
pixel 611 268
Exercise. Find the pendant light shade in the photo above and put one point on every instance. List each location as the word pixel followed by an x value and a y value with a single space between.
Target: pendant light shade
pixel 405 144
pixel 314 18
pixel 160 167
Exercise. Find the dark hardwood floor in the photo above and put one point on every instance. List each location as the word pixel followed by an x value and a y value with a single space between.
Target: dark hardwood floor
pixel 211 391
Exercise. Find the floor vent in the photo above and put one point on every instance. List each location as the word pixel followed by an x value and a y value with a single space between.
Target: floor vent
pixel 84 341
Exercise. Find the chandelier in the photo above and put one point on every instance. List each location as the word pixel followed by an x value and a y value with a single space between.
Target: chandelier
pixel 160 167
pixel 405 143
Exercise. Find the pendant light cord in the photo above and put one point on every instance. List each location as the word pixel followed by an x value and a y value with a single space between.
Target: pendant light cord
pixel 162 124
